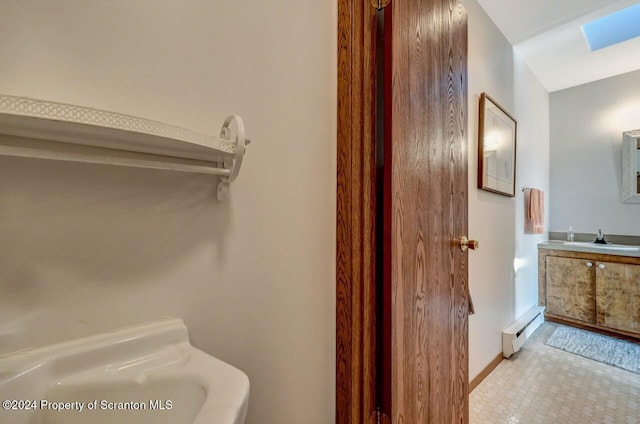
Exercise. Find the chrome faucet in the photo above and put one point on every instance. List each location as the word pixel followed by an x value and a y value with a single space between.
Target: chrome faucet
pixel 600 238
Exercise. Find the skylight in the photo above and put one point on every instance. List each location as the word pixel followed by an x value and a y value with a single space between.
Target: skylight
pixel 612 29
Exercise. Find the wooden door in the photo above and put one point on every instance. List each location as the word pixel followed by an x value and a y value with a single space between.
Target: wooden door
pixel 571 288
pixel 618 296
pixel 401 335
pixel 429 291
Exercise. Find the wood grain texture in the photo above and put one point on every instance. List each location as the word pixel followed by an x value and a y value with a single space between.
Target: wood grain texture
pixel 429 210
pixel 594 257
pixel 617 292
pixel 542 277
pixel 618 296
pixel 355 249
pixel 571 290
pixel 590 256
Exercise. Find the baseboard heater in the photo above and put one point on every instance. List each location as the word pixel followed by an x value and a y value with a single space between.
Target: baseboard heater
pixel 514 336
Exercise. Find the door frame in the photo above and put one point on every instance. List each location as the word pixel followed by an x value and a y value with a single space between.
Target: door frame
pixel 355 214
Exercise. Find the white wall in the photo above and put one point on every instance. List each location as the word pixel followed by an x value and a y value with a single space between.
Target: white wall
pixel 88 248
pixel 499 294
pixel 587 123
pixel 532 110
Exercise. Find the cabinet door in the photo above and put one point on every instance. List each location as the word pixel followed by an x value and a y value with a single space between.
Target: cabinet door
pixel 618 296
pixel 571 288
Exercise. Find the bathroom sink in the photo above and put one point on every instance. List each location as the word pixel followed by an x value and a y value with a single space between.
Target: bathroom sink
pixel 140 375
pixel 602 246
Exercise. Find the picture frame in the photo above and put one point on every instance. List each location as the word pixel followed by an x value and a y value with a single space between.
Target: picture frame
pixel 497 134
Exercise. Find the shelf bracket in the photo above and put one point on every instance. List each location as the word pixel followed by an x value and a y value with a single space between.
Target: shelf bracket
pixel 238 138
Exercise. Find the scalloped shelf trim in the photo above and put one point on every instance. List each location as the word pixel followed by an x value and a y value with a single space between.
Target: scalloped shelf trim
pixel 64 112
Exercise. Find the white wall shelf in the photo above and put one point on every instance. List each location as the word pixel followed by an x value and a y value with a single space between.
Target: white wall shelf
pixel 50 130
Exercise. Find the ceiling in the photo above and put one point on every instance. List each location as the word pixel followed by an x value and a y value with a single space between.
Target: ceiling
pixel 548 35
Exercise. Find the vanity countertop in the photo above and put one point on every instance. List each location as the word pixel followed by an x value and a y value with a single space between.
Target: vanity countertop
pixel 560 245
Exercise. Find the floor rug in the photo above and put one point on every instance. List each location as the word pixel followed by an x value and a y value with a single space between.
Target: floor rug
pixel 608 350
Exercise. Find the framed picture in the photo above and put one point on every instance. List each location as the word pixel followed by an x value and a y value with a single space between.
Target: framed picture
pixel 496 148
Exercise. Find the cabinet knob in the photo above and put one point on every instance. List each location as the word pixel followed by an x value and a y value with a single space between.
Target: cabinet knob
pixel 589 264
pixel 601 266
pixel 465 244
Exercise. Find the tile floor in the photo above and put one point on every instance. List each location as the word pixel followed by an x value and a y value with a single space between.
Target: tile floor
pixel 545 385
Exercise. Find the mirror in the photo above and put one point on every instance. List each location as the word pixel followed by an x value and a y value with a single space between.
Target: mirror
pixel 631 167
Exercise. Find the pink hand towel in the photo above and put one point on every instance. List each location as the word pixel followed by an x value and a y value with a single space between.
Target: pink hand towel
pixel 533 211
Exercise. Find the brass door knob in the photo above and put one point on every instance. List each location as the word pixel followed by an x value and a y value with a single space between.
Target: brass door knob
pixel 465 244
pixel 380 4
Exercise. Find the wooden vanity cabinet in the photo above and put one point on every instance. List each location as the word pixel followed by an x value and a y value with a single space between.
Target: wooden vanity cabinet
pixel 618 296
pixel 571 289
pixel 591 290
